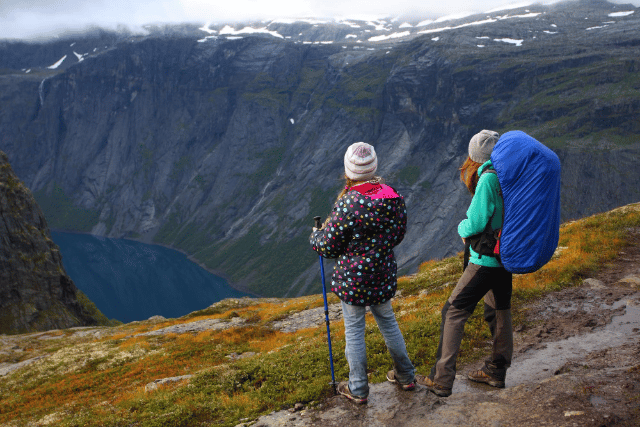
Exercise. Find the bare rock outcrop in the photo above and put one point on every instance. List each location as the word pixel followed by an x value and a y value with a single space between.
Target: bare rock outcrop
pixel 35 292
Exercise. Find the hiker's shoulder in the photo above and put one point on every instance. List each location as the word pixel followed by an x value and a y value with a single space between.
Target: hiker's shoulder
pixel 488 179
pixel 348 200
pixel 376 191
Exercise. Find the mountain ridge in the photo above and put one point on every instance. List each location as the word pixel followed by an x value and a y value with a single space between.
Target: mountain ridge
pixel 226 149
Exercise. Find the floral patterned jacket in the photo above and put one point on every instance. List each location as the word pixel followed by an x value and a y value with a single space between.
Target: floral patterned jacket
pixel 364 227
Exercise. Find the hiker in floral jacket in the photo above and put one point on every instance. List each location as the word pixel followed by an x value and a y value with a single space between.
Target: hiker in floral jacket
pixel 368 220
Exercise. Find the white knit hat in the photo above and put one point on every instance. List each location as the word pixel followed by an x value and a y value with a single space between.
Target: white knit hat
pixel 360 161
pixel 481 145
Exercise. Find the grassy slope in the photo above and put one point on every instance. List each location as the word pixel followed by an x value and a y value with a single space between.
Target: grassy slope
pixel 100 381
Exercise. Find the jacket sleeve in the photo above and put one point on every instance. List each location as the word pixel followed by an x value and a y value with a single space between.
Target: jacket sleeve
pixel 402 219
pixel 482 206
pixel 333 240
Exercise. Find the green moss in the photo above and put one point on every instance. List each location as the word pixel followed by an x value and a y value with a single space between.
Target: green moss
pixel 409 174
pixel 270 160
pixel 219 95
pixel 169 230
pixel 574 103
pixel 309 78
pixel 147 157
pixel 180 167
pixel 322 202
pixel 200 181
pixel 61 213
pixel 247 259
pixel 92 311
pixel 264 91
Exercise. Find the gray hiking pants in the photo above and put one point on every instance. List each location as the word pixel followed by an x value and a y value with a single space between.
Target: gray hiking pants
pixel 495 285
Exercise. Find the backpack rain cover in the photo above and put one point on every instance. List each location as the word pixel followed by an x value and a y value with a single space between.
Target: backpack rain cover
pixel 529 176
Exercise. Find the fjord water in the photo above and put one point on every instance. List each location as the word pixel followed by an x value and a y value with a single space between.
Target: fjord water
pixel 129 280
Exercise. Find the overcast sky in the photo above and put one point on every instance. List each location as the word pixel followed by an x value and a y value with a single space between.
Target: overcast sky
pixel 28 18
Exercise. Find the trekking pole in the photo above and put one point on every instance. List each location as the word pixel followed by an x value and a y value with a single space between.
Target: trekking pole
pixel 326 311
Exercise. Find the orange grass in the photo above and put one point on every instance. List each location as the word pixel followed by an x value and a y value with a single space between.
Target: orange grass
pixel 129 395
pixel 582 249
pixel 134 342
pixel 585 246
pixel 89 387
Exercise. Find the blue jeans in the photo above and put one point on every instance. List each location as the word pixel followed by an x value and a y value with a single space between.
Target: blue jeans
pixel 356 352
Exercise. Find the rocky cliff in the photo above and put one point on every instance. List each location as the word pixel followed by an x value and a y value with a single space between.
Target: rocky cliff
pixel 226 146
pixel 35 292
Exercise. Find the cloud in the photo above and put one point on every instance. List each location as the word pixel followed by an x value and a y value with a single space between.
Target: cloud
pixel 24 19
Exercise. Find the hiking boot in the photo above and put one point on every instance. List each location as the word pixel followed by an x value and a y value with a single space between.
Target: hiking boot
pixel 391 377
pixel 481 376
pixel 343 389
pixel 434 388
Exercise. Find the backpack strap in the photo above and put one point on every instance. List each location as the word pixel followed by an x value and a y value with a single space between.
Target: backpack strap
pixel 485 242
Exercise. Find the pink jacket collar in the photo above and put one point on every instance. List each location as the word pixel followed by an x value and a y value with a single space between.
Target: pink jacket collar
pixel 376 191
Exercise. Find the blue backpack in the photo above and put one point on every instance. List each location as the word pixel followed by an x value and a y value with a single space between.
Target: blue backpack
pixel 529 176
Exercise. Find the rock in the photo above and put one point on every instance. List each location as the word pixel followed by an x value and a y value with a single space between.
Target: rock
pixel 237 356
pixel 35 292
pixel 308 318
pixel 593 283
pixel 197 326
pixel 157 383
pixel 7 368
pixel 632 280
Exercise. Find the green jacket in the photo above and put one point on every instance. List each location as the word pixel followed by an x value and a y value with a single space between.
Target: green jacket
pixel 485 202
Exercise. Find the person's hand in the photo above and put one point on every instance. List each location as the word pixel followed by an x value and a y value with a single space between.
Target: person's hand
pixel 464 241
pixel 314 229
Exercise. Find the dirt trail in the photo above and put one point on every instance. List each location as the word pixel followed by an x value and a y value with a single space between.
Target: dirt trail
pixel 578 365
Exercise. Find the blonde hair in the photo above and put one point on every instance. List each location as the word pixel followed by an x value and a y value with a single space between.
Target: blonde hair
pixel 469 174
pixel 348 184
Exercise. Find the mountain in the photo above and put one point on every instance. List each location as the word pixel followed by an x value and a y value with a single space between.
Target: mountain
pixel 35 292
pixel 224 141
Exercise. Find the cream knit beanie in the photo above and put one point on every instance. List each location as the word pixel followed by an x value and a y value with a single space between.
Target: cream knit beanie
pixel 360 161
pixel 481 145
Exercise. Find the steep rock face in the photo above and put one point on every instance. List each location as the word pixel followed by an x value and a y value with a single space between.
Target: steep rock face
pixel 227 148
pixel 35 292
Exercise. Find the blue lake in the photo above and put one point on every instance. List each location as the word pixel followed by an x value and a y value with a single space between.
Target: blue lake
pixel 129 280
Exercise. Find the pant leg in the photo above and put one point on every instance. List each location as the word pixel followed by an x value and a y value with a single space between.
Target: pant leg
pixel 445 367
pixel 502 350
pixel 443 317
pixel 490 312
pixel 470 289
pixel 355 349
pixel 498 315
pixel 386 320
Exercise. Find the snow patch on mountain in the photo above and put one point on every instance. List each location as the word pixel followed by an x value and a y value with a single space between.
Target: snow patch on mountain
pixel 57 64
pixel 390 36
pixel 228 30
pixel 620 14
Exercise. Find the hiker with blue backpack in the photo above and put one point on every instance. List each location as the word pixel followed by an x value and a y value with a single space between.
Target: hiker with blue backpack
pixel 512 226
pixel 368 220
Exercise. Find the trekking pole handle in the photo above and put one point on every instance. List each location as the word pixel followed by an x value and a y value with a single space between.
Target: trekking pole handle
pixel 318 222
